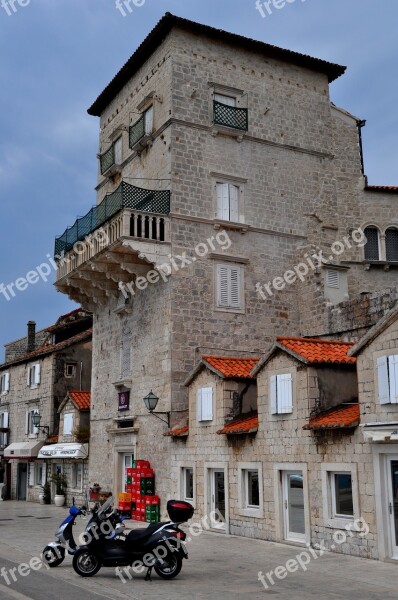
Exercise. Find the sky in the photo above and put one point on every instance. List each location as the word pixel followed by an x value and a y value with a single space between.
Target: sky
pixel 58 55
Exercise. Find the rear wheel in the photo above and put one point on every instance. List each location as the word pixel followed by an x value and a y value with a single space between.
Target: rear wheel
pixel 53 557
pixel 85 563
pixel 170 567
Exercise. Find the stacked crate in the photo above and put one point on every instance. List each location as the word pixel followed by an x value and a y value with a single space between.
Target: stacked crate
pixel 140 484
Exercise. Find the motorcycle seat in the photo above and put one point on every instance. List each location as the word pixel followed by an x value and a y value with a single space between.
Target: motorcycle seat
pixel 138 535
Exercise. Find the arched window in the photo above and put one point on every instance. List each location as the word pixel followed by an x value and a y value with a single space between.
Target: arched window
pixel 372 246
pixel 392 244
pixel 125 351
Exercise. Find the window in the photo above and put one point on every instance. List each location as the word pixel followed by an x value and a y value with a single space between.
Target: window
pixel 228 114
pixel 3 434
pixel 341 494
pixel 40 474
pixel 5 383
pixel 148 120
pixel 33 376
pixel 205 404
pixel 77 476
pixel 392 244
pixel 227 100
pixel 187 483
pixel 281 394
pixel 332 279
pixel 229 287
pixel 142 127
pixel 30 429
pixel 227 202
pixel 70 370
pixel 372 246
pixel 118 150
pixel 387 375
pixel 251 490
pixel 68 423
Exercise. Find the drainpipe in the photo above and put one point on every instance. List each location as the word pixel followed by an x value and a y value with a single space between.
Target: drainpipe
pixel 361 124
pixel 81 374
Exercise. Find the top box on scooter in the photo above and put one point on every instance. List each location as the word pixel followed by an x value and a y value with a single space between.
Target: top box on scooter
pixel 180 511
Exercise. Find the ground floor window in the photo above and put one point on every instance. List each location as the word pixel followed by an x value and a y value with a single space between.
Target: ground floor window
pixel 40 474
pixel 77 476
pixel 342 498
pixel 187 483
pixel 340 493
pixel 250 489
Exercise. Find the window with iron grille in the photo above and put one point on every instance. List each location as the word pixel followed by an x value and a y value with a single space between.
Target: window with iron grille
pixel 144 126
pixel 226 112
pixel 392 244
pixel 112 156
pixel 372 246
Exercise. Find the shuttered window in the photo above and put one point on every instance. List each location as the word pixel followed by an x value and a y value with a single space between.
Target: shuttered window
pixel 281 394
pixel 392 244
pixel 68 424
pixel 205 404
pixel 387 377
pixel 372 248
pixel 227 202
pixel 332 279
pixel 229 285
pixel 148 120
pixel 30 429
pixel 118 145
pixel 5 383
pixel 33 375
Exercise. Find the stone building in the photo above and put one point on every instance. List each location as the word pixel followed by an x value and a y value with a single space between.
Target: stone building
pixel 223 165
pixel 36 383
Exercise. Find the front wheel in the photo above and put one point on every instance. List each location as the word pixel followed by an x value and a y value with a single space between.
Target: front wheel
pixel 85 563
pixel 53 557
pixel 171 566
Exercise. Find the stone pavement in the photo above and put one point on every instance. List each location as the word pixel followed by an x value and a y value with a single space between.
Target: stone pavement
pixel 219 567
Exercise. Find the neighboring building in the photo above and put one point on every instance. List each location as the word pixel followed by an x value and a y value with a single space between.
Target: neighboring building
pixel 68 452
pixel 248 169
pixel 36 383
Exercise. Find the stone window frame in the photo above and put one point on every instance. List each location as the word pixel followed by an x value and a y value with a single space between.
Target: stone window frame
pixel 240 183
pixel 376 355
pixel 74 367
pixel 244 510
pixel 327 470
pixel 230 263
pixel 382 230
pixel 5 382
pixel 283 371
pixel 181 466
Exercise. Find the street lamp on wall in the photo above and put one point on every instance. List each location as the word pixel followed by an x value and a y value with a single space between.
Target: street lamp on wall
pixel 151 402
pixel 36 418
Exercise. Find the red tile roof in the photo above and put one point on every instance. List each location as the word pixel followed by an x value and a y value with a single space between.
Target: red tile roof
pixel 180 432
pixel 382 188
pixel 342 417
pixel 81 399
pixel 231 367
pixel 316 351
pixel 241 426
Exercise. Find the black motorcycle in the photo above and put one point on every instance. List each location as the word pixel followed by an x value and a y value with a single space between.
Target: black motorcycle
pixel 160 546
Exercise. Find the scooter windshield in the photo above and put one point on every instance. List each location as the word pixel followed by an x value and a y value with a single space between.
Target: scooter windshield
pixel 105 506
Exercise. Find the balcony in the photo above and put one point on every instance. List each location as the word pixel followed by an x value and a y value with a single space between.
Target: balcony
pixel 230 116
pixel 125 236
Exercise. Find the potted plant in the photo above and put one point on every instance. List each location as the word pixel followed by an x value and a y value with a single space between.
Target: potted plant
pixel 61 484
pixel 45 496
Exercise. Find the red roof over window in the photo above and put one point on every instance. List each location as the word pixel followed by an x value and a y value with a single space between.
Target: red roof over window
pixel 180 432
pixel 342 417
pixel 81 399
pixel 241 426
pixel 316 351
pixel 230 367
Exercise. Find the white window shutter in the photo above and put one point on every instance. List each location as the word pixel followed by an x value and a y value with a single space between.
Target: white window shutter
pixel 285 393
pixel 199 405
pixel 31 474
pixel 228 100
pixel 382 376
pixel 118 151
pixel 149 120
pixel 43 474
pixel 28 375
pixel 5 419
pixel 393 371
pixel 207 404
pixel 27 422
pixel 235 287
pixel 68 424
pixel 222 285
pixel 35 430
pixel 219 212
pixel 37 375
pixel 273 395
pixel 6 382
pixel 234 203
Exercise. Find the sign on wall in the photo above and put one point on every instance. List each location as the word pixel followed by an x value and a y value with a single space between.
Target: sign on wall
pixel 124 400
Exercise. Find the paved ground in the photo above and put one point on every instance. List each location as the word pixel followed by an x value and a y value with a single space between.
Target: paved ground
pixel 219 567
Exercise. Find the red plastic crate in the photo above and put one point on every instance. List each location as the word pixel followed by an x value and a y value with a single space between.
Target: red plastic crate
pixel 124 506
pixel 129 472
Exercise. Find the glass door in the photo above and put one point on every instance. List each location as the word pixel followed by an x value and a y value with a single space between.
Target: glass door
pixel 127 463
pixel 22 480
pixel 393 504
pixel 217 498
pixel 293 506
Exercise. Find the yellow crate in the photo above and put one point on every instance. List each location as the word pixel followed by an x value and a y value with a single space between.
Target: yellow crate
pixel 124 497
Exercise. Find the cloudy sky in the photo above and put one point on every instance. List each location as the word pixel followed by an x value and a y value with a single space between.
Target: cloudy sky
pixel 57 55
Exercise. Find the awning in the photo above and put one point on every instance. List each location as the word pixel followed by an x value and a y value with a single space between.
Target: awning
pixel 375 434
pixel 64 451
pixel 23 450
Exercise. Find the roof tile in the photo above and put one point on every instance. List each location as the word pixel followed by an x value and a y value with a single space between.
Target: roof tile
pixel 317 351
pixel 343 417
pixel 230 367
pixel 241 426
pixel 81 399
pixel 180 432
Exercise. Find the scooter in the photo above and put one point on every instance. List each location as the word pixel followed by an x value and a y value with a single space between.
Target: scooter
pixel 160 546
pixel 54 553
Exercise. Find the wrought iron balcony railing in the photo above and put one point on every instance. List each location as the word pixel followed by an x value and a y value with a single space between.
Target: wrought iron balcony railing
pixel 137 131
pixel 231 116
pixel 125 196
pixel 107 159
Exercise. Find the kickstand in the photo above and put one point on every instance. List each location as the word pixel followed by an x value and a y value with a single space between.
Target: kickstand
pixel 148 576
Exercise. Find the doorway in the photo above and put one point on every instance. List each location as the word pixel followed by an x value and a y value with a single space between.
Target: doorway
pixel 293 506
pixel 22 480
pixel 392 474
pixel 217 499
pixel 127 463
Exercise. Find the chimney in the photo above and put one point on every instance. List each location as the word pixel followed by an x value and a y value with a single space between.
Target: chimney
pixel 31 336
